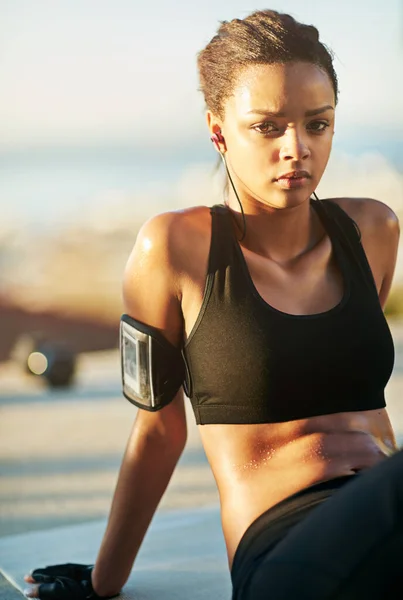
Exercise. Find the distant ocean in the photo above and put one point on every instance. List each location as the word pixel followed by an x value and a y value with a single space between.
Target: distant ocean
pixel 45 188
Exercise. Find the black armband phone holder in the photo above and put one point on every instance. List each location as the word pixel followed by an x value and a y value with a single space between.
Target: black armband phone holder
pixel 152 368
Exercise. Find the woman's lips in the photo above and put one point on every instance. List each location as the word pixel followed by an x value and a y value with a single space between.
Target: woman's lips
pixel 289 183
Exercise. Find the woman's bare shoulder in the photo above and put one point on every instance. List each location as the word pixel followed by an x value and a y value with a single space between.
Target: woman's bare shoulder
pixel 369 214
pixel 170 234
pixel 380 231
pixel 154 273
pixel 168 242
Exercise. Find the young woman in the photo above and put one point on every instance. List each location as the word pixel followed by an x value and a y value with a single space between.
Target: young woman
pixel 276 300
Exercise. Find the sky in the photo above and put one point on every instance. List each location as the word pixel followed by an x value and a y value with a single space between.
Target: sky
pixel 98 72
pixel 99 104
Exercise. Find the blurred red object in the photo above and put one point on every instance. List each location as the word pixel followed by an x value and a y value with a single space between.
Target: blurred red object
pixel 79 333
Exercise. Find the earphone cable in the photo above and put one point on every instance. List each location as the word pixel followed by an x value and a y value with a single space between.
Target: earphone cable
pixel 236 195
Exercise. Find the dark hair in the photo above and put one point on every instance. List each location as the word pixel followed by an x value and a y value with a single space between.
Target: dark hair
pixel 264 37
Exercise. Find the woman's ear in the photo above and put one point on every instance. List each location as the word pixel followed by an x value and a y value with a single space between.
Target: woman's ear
pixel 216 135
pixel 214 123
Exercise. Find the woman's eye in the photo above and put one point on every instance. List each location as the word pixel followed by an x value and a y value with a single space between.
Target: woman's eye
pixel 318 126
pixel 268 127
pixel 265 127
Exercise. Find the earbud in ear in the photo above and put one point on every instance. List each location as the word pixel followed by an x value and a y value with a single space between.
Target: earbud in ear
pixel 217 139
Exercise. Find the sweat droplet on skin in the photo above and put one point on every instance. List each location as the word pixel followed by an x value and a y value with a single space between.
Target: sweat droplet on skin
pixel 256 463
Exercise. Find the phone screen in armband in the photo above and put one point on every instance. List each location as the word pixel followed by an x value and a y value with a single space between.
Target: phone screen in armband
pixel 136 350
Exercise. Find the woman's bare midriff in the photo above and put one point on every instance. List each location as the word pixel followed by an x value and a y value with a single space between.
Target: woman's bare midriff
pixel 256 466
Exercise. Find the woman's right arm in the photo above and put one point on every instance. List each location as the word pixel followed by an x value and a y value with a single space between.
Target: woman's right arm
pixel 152 294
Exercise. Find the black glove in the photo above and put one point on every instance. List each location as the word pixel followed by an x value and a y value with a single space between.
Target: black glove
pixel 70 581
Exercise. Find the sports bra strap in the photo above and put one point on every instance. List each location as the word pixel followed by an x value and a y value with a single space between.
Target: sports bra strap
pixel 221 238
pixel 349 234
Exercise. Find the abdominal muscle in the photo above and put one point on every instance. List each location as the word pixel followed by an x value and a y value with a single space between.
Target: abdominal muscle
pixel 257 466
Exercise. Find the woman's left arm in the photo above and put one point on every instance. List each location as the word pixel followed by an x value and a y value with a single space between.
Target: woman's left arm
pixel 390 248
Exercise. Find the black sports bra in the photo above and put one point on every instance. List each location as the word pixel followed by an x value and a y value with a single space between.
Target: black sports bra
pixel 248 362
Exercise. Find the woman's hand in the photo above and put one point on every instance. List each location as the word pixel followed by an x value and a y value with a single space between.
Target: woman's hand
pixel 70 581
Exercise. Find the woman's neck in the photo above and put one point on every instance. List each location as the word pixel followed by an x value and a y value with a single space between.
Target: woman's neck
pixel 282 235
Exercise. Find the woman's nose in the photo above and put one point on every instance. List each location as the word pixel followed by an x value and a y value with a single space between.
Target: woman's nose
pixel 294 146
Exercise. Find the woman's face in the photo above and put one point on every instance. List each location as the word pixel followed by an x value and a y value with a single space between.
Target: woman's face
pixel 279 121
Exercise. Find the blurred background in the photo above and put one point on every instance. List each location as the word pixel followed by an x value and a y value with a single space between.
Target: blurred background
pixel 101 127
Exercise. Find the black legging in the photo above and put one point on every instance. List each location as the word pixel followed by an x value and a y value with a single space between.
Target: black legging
pixel 350 547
